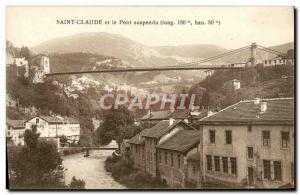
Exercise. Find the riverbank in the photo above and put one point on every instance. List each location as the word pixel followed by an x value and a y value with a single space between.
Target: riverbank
pixel 91 170
pixel 123 172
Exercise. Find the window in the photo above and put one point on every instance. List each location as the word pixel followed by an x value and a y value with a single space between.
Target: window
pixel 136 148
pixel 233 165
pixel 166 158
pixel 150 157
pixel 172 162
pixel 266 138
pixel 225 164
pixel 212 136
pixel 250 152
pixel 267 169
pixel 285 139
pixel 194 169
pixel 249 128
pixel 217 163
pixel 228 137
pixel 37 121
pixel 277 170
pixel 178 158
pixel 209 162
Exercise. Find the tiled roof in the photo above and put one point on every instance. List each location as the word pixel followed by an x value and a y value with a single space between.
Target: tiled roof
pixel 182 141
pixel 138 138
pixel 156 115
pixel 51 119
pixel 194 157
pixel 279 111
pixel 58 120
pixel 179 114
pixel 163 127
pixel 16 124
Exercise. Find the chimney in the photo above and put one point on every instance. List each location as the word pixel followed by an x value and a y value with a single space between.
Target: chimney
pixel 256 101
pixel 171 121
pixel 263 106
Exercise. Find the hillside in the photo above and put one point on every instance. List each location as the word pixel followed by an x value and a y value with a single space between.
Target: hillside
pixel 136 54
pixel 191 51
pixel 131 52
pixel 267 82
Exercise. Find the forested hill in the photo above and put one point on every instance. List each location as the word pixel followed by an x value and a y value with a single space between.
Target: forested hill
pixel 267 82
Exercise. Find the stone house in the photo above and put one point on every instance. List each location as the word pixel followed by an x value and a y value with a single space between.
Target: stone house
pixel 250 143
pixel 153 117
pixel 137 150
pixel 55 127
pixel 172 156
pixel 232 85
pixel 20 62
pixel 15 130
pixel 194 171
pixel 157 135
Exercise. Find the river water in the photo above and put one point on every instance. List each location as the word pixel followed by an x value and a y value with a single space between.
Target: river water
pixel 90 169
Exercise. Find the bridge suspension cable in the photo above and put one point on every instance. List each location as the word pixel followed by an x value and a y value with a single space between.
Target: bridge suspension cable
pixel 183 66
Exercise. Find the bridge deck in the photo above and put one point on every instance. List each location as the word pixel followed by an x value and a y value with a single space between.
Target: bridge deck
pixel 88 148
pixel 204 67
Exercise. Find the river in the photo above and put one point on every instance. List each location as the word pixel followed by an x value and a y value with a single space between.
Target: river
pixel 91 170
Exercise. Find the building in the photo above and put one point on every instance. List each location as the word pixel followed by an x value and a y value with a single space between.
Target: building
pixel 157 135
pixel 15 130
pixel 278 61
pixel 20 62
pixel 232 85
pixel 209 72
pixel 250 143
pixel 181 114
pixel 39 65
pixel 172 156
pixel 193 175
pixel 55 127
pixel 281 60
pixel 153 117
pixel 137 150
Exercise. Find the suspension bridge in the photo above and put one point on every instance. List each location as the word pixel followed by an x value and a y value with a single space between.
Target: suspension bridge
pixel 197 65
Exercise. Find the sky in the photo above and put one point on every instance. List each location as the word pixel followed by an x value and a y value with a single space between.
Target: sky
pixel 240 26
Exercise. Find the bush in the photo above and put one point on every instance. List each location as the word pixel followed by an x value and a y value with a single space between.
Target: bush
pixel 123 172
pixel 77 183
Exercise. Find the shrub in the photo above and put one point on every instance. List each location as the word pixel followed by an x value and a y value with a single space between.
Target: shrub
pixel 77 183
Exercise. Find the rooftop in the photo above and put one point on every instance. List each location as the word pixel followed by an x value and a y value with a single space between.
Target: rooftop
pixel 163 127
pixel 138 138
pixel 182 141
pixel 156 115
pixel 16 124
pixel 279 111
pixel 59 120
pixel 194 157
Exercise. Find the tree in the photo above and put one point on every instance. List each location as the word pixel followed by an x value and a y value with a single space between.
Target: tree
pixel 36 165
pixel 25 52
pixel 113 125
